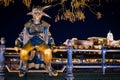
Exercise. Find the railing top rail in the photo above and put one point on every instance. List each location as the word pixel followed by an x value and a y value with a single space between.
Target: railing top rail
pixel 78 50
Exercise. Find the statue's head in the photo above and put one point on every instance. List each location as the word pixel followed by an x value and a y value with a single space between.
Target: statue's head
pixel 37 13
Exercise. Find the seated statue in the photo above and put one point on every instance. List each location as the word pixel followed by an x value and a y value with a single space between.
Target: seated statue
pixel 36 36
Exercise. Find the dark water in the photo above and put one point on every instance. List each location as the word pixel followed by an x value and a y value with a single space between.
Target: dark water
pixel 87 74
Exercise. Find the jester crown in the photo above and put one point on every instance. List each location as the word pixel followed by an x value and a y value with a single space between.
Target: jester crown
pixel 39 11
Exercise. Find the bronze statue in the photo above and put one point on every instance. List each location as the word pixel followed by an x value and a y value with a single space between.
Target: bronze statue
pixel 36 35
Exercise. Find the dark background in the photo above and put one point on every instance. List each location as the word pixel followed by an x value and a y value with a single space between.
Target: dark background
pixel 13 18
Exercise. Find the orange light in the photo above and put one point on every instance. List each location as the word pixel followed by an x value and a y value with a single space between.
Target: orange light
pixel 47 51
pixel 23 53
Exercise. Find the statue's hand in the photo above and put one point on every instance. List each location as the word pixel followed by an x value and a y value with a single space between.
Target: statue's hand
pixel 18 43
pixel 16 48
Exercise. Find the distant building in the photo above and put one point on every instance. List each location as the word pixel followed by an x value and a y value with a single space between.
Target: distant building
pixel 110 38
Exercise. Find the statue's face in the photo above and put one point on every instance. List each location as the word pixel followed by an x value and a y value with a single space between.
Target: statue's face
pixel 36 14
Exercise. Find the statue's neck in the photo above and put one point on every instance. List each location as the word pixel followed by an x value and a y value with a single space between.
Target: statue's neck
pixel 36 21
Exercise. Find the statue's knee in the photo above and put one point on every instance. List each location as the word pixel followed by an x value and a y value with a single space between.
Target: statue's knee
pixel 48 51
pixel 24 55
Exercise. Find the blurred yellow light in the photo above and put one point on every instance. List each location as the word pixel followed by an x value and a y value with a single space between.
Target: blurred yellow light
pixel 23 52
pixel 47 51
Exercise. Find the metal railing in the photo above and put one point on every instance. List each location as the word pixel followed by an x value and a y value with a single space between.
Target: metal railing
pixel 69 75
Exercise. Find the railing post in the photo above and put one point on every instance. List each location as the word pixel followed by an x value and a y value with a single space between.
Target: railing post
pixel 69 73
pixel 103 59
pixel 2 59
pixel 82 58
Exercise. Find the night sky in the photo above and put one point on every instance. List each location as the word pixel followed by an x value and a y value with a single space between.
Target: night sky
pixel 13 18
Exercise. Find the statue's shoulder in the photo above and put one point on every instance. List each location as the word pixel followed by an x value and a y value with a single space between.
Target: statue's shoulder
pixel 46 24
pixel 28 23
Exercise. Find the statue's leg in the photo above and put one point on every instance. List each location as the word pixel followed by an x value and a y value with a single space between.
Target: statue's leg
pixel 47 53
pixel 37 61
pixel 30 62
pixel 24 57
pixel 42 64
